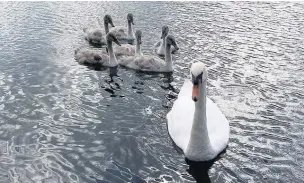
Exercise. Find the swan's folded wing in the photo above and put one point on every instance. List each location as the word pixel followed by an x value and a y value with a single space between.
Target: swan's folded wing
pixel 180 120
pixel 186 89
pixel 218 126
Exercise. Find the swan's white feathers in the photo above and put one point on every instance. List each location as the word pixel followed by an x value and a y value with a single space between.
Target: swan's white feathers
pixel 197 68
pixel 180 121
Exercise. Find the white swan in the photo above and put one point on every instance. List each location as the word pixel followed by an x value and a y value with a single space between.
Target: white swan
pixel 129 50
pixel 197 125
pixel 96 36
pixel 149 62
pixel 92 57
pixel 124 33
pixel 160 45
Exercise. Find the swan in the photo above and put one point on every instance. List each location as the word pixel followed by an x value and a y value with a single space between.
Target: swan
pixel 149 62
pixel 197 125
pixel 96 36
pixel 92 57
pixel 129 50
pixel 124 33
pixel 160 45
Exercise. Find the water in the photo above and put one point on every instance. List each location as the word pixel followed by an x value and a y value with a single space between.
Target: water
pixel 64 122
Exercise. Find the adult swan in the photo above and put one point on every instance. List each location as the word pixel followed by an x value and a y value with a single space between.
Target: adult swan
pixel 197 125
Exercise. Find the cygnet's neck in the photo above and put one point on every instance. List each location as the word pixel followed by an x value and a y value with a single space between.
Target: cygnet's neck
pixel 112 59
pixel 130 31
pixel 163 44
pixel 199 143
pixel 106 26
pixel 168 58
pixel 138 49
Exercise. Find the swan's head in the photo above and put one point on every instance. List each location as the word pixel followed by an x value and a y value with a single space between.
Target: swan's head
pixel 171 41
pixel 111 37
pixel 199 76
pixel 108 20
pixel 130 18
pixel 165 31
pixel 138 36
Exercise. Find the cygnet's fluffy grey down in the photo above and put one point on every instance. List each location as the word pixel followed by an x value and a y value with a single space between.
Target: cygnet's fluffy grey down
pixel 102 58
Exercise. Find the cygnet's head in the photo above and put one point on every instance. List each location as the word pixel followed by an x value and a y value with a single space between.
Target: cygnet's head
pixel 165 31
pixel 171 41
pixel 138 34
pixel 130 18
pixel 199 76
pixel 111 37
pixel 108 20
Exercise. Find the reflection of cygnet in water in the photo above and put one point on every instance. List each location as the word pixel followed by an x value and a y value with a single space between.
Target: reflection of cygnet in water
pixel 113 72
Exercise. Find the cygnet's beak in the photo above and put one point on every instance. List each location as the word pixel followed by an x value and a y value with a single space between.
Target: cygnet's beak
pixel 115 40
pixel 162 36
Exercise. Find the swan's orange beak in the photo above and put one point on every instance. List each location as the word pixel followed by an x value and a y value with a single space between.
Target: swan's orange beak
pixel 195 93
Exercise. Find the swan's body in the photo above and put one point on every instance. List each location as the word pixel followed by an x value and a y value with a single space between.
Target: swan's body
pixel 95 35
pixel 149 62
pixel 123 33
pixel 93 57
pixel 160 46
pixel 197 126
pixel 129 50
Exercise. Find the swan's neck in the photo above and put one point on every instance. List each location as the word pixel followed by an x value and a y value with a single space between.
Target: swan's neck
pixel 138 49
pixel 168 58
pixel 199 143
pixel 106 26
pixel 112 59
pixel 130 30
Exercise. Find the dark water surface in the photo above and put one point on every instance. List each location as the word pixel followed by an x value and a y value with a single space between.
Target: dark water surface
pixel 64 122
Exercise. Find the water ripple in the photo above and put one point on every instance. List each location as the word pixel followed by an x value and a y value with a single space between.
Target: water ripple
pixel 64 122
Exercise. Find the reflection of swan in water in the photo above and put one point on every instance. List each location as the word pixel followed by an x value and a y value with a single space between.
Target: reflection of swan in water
pixel 199 169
